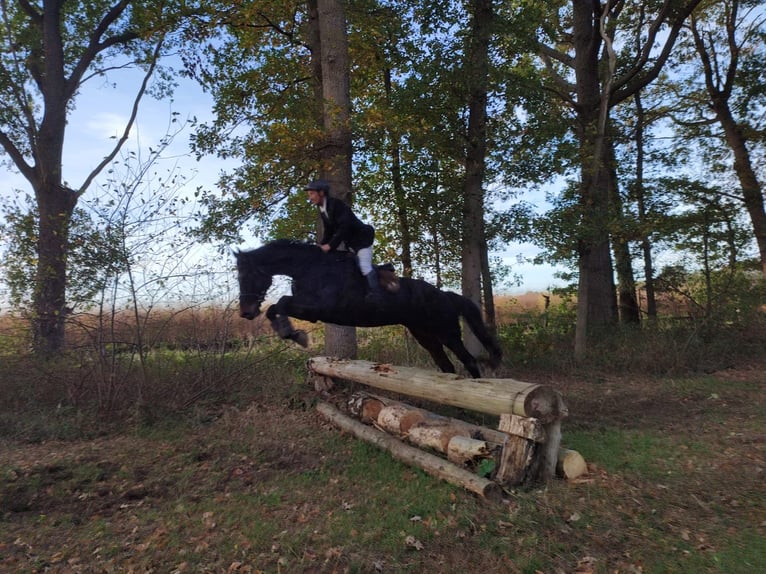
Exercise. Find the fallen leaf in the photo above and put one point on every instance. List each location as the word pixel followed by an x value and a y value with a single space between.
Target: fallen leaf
pixel 413 542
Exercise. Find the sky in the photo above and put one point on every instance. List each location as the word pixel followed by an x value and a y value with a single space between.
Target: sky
pixel 101 114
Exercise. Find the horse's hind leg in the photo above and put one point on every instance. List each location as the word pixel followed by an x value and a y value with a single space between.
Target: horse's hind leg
pixel 452 340
pixel 457 347
pixel 434 347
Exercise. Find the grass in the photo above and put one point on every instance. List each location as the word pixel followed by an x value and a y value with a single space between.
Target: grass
pixel 229 468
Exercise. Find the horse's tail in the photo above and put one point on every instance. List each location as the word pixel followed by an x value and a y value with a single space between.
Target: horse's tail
pixel 471 313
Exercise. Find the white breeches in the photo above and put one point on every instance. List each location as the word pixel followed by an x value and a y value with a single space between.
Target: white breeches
pixel 364 256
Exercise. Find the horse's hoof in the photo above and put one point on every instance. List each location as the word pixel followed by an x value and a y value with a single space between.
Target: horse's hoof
pixel 301 338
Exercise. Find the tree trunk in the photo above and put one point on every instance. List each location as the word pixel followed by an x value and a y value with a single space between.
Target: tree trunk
pixel 402 213
pixel 627 301
pixel 55 205
pixel 55 202
pixel 336 151
pixel 752 194
pixel 646 246
pixel 477 77
pixel 596 301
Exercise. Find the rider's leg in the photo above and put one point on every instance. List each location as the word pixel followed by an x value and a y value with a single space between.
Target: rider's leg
pixel 364 257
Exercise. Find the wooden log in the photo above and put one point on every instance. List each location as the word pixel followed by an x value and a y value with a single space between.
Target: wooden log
pixel 517 462
pixel 364 405
pixel 420 427
pixel 524 427
pixel 436 437
pixel 491 396
pixel 430 463
pixel 398 419
pixel 570 464
pixel 463 450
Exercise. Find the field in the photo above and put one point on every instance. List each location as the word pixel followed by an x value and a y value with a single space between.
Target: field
pixel 247 477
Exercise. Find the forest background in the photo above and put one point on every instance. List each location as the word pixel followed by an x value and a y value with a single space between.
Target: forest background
pixel 144 426
pixel 646 116
pixel 642 122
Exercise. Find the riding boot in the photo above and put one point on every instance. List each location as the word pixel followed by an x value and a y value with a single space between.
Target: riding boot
pixel 375 294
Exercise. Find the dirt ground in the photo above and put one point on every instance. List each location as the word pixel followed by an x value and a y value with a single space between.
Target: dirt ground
pixel 139 503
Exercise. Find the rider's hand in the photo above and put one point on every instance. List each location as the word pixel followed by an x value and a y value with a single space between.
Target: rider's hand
pixel 325 247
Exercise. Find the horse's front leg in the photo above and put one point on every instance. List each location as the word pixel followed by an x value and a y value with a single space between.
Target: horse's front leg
pixel 278 316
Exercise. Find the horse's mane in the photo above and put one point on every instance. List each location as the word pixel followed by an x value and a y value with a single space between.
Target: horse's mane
pixel 290 244
pixel 274 250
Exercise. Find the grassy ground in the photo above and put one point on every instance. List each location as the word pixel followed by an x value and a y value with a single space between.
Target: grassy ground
pixel 676 483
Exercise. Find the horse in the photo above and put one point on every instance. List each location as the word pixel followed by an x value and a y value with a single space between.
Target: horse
pixel 328 287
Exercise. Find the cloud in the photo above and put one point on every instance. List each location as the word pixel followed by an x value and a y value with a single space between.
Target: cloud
pixel 104 125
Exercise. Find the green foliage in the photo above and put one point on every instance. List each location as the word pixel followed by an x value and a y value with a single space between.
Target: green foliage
pixel 94 254
pixel 260 75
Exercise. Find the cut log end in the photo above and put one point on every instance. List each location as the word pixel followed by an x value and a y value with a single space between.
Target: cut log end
pixel 570 464
pixel 545 404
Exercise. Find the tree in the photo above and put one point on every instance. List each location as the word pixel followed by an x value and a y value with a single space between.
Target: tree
pixel 728 39
pixel 330 47
pixel 474 245
pixel 585 72
pixel 49 52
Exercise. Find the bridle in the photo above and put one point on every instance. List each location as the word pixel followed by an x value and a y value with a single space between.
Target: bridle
pixel 260 295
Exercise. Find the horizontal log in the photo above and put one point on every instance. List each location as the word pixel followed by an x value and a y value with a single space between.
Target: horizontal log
pixel 423 428
pixel 367 408
pixel 491 396
pixel 430 463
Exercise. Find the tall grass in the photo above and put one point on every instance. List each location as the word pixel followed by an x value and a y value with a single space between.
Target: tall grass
pixel 191 362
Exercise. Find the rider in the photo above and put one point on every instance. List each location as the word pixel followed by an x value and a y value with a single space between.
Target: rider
pixel 342 226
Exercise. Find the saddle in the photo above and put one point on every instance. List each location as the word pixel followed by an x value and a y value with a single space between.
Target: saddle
pixel 387 277
pixel 386 271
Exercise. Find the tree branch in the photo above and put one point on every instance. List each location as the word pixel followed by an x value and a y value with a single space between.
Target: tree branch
pixel 134 113
pixel 638 77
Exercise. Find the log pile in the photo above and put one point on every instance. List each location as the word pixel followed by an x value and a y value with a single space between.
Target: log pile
pixel 524 449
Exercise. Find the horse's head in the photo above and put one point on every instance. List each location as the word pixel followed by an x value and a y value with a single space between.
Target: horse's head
pixel 253 285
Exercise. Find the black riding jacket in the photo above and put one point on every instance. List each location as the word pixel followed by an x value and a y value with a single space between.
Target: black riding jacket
pixel 342 226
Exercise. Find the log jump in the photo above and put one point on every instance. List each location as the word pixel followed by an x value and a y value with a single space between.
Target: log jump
pixel 524 449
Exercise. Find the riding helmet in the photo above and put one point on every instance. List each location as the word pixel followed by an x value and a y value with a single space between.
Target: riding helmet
pixel 318 185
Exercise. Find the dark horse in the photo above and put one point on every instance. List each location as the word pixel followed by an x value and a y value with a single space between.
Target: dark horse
pixel 328 287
